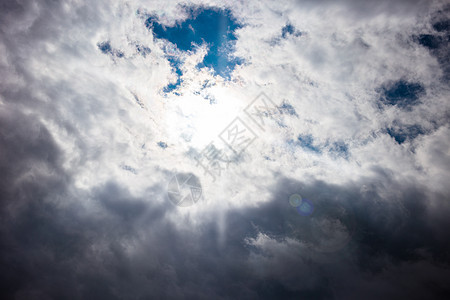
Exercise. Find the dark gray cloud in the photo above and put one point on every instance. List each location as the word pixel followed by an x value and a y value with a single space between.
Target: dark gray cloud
pixel 126 248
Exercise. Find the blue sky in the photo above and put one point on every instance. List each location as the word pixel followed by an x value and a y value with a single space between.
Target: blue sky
pixel 214 27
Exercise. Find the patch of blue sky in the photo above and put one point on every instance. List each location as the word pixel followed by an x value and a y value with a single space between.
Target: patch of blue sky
pixel 162 145
pixel 281 124
pixel 289 29
pixel 402 134
pixel 176 64
pixel 402 94
pixel 442 26
pixel 287 108
pixel 306 142
pixel 211 26
pixel 129 169
pixel 286 31
pixel 437 42
pixel 339 148
pixel 105 47
pixel 143 50
pixel 430 41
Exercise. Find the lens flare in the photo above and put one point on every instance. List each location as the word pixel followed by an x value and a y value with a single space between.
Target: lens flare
pixel 295 200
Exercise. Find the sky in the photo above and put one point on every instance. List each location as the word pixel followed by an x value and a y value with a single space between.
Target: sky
pixel 225 149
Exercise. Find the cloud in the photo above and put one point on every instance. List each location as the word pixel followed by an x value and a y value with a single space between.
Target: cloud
pixel 90 137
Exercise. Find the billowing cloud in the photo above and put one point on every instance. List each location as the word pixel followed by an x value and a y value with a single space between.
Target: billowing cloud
pixel 342 103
